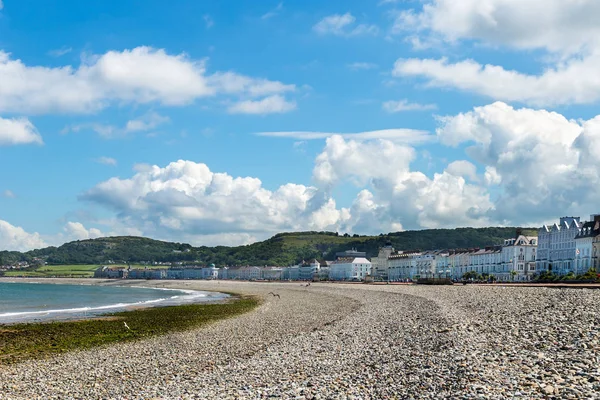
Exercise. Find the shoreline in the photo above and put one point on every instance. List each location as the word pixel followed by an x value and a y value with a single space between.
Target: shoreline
pixel 88 312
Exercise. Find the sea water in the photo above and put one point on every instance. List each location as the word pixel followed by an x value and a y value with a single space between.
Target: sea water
pixel 30 302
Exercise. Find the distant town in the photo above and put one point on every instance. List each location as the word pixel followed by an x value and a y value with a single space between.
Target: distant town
pixel 568 247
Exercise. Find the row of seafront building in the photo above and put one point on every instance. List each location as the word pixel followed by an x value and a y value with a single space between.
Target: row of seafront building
pixel 350 265
pixel 514 260
pixel 569 246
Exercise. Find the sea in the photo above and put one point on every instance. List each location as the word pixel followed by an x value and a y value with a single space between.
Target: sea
pixel 38 302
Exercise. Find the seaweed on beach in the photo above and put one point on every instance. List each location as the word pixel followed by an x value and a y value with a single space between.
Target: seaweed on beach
pixel 19 342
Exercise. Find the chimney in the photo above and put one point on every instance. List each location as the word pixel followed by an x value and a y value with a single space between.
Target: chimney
pixel 519 232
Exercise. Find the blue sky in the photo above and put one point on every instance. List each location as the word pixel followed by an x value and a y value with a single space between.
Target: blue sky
pixel 226 122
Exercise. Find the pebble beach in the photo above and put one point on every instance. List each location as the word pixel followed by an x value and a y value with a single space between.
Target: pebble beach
pixel 347 341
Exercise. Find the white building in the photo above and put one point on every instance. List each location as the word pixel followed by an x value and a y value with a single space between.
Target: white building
pixel 412 265
pixel 350 269
pixel 272 273
pixel 518 258
pixel 309 270
pixel 291 273
pixel 244 273
pixel 585 257
pixel 487 261
pixel 557 248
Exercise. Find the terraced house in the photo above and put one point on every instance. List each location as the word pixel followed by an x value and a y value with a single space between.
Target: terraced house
pixel 514 260
pixel 571 246
pixel 556 247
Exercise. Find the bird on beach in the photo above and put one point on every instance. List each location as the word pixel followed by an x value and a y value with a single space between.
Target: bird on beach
pixel 126 326
pixel 275 295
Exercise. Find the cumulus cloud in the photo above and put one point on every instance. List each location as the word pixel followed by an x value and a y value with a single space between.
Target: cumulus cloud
pixel 343 25
pixel 463 168
pixel 398 196
pixel 15 238
pixel 412 136
pixel 521 166
pixel 188 198
pixel 404 105
pixel 18 131
pixel 544 163
pixel 374 160
pixel 76 231
pixel 141 75
pixel 268 105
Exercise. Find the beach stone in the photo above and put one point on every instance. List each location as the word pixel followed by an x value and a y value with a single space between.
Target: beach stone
pixel 344 341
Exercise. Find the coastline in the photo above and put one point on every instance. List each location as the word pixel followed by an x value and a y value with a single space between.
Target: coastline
pixel 85 311
pixel 338 341
pixel 45 339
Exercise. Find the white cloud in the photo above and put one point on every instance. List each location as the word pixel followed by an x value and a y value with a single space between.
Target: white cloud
pixel 106 161
pixel 491 176
pixel 356 66
pixel 15 238
pixel 186 198
pixel 60 52
pixel 539 164
pixel 544 164
pixel 145 123
pixel 463 168
pixel 567 31
pixel 18 131
pixel 76 231
pixel 233 83
pixel 411 136
pixel 555 25
pixel 9 194
pixel 208 21
pixel 106 131
pixel 343 25
pixel 361 161
pixel 273 12
pixel 268 105
pixel 573 81
pixel 398 197
pixel 404 105
pixel 141 75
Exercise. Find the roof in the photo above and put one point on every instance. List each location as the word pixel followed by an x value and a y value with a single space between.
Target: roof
pixel 589 230
pixel 354 260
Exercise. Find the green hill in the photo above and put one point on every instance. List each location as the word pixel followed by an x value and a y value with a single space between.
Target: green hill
pixel 282 249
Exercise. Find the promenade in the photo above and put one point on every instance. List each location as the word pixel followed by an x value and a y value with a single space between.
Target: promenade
pixel 348 341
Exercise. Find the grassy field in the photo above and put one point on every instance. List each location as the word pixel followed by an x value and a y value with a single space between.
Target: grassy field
pixel 65 271
pixel 75 271
pixel 40 340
